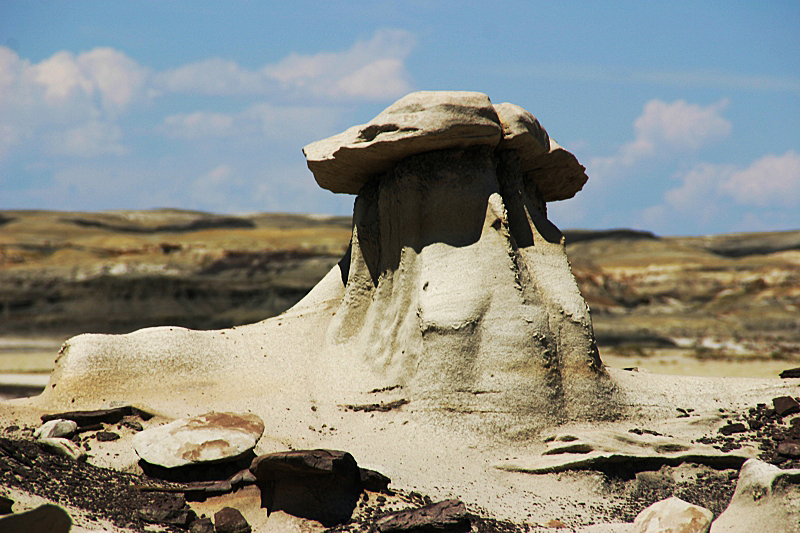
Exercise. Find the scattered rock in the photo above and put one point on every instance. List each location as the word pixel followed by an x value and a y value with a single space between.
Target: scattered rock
pixel 733 428
pixel 47 518
pixel 449 516
pixel 785 405
pixel 230 520
pixel 673 515
pixel 419 122
pixel 765 500
pixel 790 373
pixel 202 525
pixel 97 416
pixel 64 447
pixel 322 485
pixel 56 428
pixel 373 481
pixel 178 517
pixel 106 436
pixel 211 437
pixel 789 448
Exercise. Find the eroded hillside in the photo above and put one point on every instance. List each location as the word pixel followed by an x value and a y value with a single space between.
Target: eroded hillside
pixel 715 298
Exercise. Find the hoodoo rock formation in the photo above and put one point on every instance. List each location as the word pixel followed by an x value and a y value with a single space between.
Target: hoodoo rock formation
pixel 455 284
pixel 450 349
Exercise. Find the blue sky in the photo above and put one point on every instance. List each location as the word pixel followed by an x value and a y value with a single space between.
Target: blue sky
pixel 686 114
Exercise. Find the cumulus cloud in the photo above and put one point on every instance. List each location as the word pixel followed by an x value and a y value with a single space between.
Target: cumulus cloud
pixel 369 69
pixel 770 186
pixel 771 180
pixel 664 129
pixel 261 119
pixel 372 70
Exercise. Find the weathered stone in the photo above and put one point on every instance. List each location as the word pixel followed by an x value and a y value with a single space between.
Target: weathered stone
pixel 212 437
pixel 790 448
pixel 178 517
pixel 673 515
pixel 62 446
pixel 97 416
pixel 543 162
pixel 106 436
pixel 730 429
pixel 766 499
pixel 230 520
pixel 449 516
pixel 322 485
pixel 790 373
pixel 56 428
pixel 419 122
pixel 202 525
pixel 304 463
pixel 47 518
pixel 372 480
pixel 785 405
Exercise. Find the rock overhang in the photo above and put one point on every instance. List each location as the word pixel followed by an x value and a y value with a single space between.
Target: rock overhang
pixel 436 120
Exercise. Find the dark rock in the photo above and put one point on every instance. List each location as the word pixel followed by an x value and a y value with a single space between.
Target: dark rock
pixel 785 405
pixel 5 505
pixel 374 481
pixel 177 517
pixel 449 516
pixel 106 436
pixel 322 485
pixel 789 448
pixel 202 525
pixel 733 428
pixel 230 520
pixel 46 518
pixel 791 373
pixel 108 416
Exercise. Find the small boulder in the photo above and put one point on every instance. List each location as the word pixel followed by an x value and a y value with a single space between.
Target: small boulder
pixel 212 437
pixel 449 516
pixel 56 428
pixel 789 448
pixel 202 525
pixel 672 515
pixel 230 520
pixel 321 485
pixel 785 405
pixel 47 518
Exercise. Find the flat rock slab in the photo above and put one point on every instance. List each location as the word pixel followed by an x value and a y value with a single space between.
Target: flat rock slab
pixel 419 122
pixel 212 437
pixel 449 516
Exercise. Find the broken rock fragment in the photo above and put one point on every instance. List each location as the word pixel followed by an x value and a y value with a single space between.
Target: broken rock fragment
pixel 56 428
pixel 322 485
pixel 449 516
pixel 212 437
pixel 673 515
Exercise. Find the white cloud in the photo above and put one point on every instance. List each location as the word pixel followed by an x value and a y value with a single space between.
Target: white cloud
pixel 372 70
pixel 261 119
pixel 198 125
pixel 664 129
pixel 88 140
pixel 771 180
pixel 214 77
